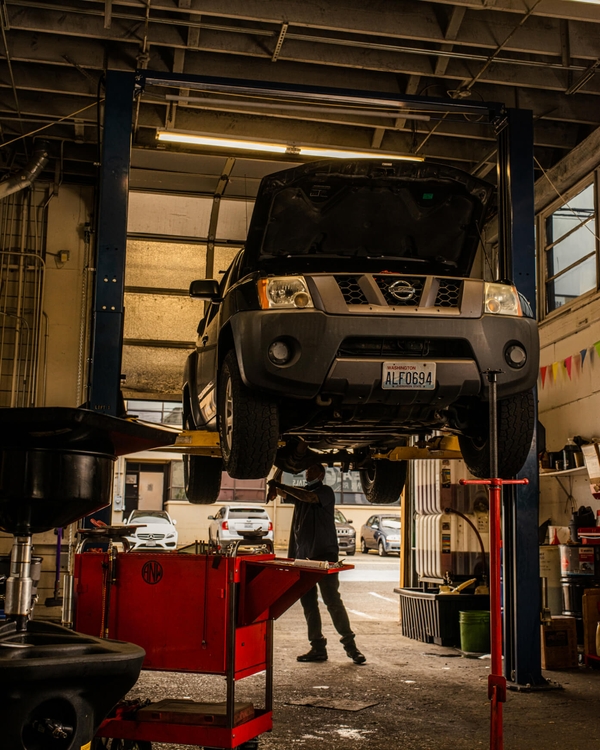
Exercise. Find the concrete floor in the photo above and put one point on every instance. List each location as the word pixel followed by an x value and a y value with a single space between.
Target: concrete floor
pixel 428 697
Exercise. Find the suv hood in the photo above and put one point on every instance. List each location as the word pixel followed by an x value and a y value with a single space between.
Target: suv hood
pixel 380 215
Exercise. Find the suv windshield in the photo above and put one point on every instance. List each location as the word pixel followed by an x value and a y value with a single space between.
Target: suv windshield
pixel 339 517
pixel 416 217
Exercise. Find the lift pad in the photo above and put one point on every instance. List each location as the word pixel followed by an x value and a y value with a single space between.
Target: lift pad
pixel 445 447
pixel 196 443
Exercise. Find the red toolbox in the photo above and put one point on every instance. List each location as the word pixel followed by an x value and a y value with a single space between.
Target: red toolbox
pixel 210 614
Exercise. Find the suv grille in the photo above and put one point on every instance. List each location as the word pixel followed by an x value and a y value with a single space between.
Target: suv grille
pixel 405 348
pixel 151 536
pixel 353 294
pixel 408 289
pixel 449 292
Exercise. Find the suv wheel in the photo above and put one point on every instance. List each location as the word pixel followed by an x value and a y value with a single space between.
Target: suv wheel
pixel 383 481
pixel 363 547
pixel 248 425
pixel 516 421
pixel 202 478
pixel 381 549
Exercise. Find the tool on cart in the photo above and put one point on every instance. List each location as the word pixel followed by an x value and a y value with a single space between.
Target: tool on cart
pixel 209 613
pixel 56 465
pixel 496 679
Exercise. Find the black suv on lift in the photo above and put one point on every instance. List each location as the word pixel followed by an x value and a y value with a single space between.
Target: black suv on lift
pixel 349 322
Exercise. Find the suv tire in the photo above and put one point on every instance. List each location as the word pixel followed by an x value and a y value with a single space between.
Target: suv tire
pixel 383 481
pixel 381 551
pixel 202 478
pixel 516 421
pixel 248 425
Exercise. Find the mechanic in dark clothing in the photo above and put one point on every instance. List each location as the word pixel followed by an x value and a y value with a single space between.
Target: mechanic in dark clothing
pixel 313 537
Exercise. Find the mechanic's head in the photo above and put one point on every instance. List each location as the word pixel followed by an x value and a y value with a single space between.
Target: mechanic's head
pixel 315 472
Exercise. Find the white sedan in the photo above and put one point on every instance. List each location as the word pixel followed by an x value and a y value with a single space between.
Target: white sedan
pixel 156 531
pixel 231 521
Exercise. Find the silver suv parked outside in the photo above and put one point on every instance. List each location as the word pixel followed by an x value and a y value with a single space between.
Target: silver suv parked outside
pixel 350 322
pixel 231 521
pixel 346 533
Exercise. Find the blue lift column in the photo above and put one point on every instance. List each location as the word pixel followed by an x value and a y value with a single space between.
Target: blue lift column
pixel 107 328
pixel 521 573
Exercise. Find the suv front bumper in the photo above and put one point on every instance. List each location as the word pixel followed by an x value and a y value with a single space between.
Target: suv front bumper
pixel 317 367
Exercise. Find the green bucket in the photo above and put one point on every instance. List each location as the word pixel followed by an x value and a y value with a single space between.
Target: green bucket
pixel 475 631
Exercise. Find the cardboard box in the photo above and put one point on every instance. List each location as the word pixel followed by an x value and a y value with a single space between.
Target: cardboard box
pixel 591 618
pixel 591 456
pixel 559 644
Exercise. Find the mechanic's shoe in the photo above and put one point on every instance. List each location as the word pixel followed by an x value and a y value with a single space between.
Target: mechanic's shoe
pixel 313 655
pixel 356 655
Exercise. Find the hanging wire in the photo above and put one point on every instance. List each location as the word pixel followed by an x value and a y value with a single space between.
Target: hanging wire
pixel 50 124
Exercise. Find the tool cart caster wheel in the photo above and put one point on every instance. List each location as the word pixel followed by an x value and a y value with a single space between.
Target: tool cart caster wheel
pixel 250 745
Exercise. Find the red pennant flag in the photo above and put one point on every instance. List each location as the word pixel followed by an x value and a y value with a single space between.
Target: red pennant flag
pixel 569 365
pixel 543 373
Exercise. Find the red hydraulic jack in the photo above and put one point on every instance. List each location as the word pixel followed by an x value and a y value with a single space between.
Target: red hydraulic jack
pixel 496 679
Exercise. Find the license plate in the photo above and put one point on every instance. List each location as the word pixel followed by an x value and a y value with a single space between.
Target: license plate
pixel 408 376
pixel 150 544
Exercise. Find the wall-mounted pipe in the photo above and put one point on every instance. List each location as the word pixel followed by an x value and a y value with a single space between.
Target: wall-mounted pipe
pixel 26 176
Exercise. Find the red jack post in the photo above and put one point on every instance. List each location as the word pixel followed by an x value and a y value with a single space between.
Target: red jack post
pixel 496 679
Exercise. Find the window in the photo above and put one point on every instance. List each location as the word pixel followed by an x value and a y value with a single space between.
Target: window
pixel 571 248
pixel 345 484
pixel 159 412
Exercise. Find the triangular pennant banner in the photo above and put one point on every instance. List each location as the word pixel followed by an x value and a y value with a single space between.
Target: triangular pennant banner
pixel 583 352
pixel 555 366
pixel 543 373
pixel 597 347
pixel 568 366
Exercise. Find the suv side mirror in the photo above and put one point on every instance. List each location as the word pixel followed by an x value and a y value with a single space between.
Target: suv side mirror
pixel 349 520
pixel 211 518
pixel 205 289
pixel 174 522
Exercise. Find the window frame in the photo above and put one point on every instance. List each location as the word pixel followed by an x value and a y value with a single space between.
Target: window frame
pixel 545 247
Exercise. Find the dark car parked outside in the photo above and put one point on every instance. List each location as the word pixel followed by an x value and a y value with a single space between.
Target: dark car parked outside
pixel 382 533
pixel 350 322
pixel 346 533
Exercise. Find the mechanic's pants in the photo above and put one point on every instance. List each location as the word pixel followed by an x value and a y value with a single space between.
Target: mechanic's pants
pixel 329 586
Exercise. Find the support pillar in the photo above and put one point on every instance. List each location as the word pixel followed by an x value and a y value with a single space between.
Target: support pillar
pixel 107 330
pixel 517 261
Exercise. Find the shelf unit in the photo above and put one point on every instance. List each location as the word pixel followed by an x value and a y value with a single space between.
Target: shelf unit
pixel 565 473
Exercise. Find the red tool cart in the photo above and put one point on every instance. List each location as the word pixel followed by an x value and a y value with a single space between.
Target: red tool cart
pixel 204 613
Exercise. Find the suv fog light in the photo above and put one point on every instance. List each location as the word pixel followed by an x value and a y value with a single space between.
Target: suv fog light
pixel 516 356
pixel 279 353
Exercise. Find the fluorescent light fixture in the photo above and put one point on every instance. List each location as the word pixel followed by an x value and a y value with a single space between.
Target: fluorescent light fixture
pixel 291 149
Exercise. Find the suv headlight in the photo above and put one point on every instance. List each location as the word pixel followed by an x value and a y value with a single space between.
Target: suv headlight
pixel 502 299
pixel 284 292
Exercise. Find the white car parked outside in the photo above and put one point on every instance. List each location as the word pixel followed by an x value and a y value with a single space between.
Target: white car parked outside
pixel 157 531
pixel 226 525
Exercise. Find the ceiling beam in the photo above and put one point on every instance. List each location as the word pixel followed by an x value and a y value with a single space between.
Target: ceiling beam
pixel 355 13
pixel 410 22
pixel 456 18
